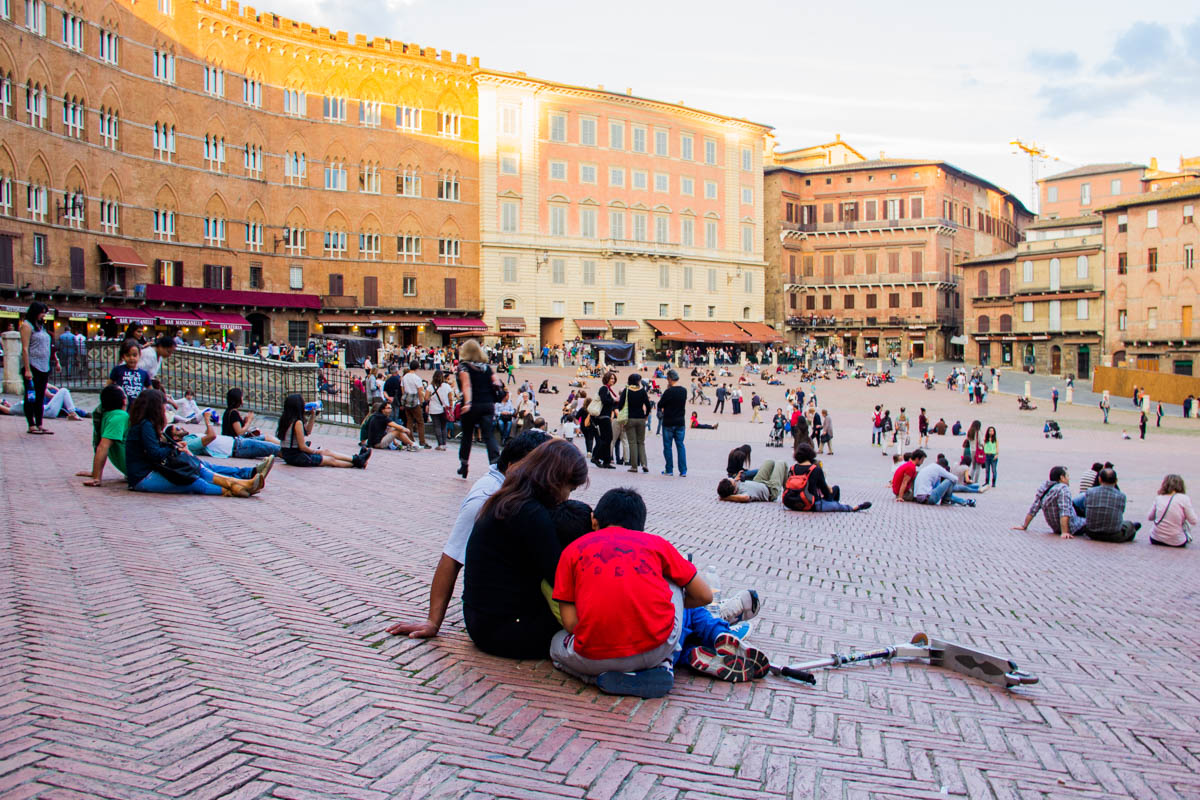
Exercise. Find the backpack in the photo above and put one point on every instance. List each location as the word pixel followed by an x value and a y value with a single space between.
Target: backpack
pixel 796 495
pixel 877 421
pixel 887 424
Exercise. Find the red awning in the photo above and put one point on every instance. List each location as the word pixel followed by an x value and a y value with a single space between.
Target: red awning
pixel 760 332
pixel 458 324
pixel 671 329
pixel 717 332
pixel 120 255
pixel 592 324
pixel 158 293
pixel 226 320
pixel 624 324
pixel 127 315
pixel 178 318
pixel 68 312
pixel 510 323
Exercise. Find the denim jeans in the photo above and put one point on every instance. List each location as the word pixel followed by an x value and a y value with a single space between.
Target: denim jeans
pixel 247 447
pixel 674 434
pixel 944 491
pixel 1080 503
pixel 989 469
pixel 830 505
pixel 156 483
pixel 700 629
pixel 505 427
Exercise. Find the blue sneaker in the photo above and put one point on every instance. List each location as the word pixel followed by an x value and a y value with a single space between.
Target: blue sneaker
pixel 654 682
pixel 664 472
pixel 742 630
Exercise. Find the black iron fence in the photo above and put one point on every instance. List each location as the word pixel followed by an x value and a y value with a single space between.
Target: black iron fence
pixel 210 374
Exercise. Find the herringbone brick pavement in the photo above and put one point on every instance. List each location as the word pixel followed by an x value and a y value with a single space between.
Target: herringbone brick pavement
pixel 180 647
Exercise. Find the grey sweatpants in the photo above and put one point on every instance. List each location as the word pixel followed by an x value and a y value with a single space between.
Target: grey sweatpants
pixel 562 651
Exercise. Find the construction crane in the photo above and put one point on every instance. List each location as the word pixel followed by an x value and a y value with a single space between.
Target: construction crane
pixel 1035 154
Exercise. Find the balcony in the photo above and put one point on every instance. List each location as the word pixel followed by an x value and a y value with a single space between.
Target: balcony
pixel 646 249
pixel 862 225
pixel 796 283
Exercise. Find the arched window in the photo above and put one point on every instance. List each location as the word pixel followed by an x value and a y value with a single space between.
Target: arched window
pixel 510 304
pixel 985 323
pixel 1005 281
pixel 1005 323
pixel 983 284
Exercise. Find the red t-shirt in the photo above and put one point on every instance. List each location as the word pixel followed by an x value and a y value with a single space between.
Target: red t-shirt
pixel 620 582
pixel 907 468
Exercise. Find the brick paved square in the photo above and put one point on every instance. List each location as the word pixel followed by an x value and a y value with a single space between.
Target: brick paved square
pixel 158 646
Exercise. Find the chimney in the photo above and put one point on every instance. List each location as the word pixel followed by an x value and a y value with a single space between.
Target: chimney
pixel 1153 163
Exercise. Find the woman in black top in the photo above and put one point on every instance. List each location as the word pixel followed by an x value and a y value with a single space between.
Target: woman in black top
pixel 478 386
pixel 513 548
pixel 602 455
pixel 637 401
pixel 739 462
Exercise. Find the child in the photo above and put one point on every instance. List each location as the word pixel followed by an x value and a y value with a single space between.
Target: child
pixel 186 409
pixel 569 429
pixel 126 375
pixel 633 607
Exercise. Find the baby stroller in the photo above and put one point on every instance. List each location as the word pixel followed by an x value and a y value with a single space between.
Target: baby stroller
pixel 1052 431
pixel 775 438
pixel 1025 404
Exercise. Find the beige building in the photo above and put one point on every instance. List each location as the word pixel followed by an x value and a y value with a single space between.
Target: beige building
pixel 1039 306
pixel 601 212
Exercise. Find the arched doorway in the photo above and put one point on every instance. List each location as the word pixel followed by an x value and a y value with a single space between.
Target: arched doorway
pixel 1055 360
pixel 260 327
pixel 1118 358
pixel 1083 367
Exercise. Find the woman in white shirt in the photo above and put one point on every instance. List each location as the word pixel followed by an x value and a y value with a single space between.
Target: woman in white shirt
pixel 1172 514
pixel 441 400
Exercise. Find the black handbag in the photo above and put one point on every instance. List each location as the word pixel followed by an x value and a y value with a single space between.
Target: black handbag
pixel 179 468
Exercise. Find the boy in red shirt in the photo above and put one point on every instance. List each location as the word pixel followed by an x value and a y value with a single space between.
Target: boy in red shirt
pixel 633 607
pixel 905 475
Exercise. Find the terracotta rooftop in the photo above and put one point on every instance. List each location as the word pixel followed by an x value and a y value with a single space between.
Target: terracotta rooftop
pixel 1093 169
pixel 1181 191
pixel 1064 222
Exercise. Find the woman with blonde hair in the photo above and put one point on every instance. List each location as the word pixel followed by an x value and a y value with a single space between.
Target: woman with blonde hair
pixel 1172 514
pixel 479 387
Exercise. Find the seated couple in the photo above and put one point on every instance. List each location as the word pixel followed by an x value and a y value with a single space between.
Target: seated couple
pixel 802 488
pixel 916 481
pixel 507 536
pixel 152 454
pixel 380 432
pixel 1104 506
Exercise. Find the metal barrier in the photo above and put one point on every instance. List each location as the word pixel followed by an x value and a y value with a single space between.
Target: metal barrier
pixel 210 374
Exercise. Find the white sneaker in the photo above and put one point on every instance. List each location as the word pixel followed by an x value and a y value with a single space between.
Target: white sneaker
pixel 742 606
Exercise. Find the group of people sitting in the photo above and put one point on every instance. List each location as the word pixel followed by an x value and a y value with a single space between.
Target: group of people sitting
pixel 1098 509
pixel 918 480
pixel 802 487
pixel 611 604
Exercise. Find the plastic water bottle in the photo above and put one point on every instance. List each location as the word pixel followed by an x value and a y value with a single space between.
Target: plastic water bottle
pixel 714 582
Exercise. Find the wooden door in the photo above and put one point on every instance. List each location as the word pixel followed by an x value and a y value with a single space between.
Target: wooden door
pixel 1055 360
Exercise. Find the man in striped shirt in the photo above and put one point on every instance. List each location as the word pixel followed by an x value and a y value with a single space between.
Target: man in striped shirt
pixel 1054 500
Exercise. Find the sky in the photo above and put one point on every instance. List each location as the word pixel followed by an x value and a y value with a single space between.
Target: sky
pixel 1096 82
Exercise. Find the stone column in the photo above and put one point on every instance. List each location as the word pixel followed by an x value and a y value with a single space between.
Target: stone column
pixel 742 358
pixel 1145 399
pixel 600 360
pixel 1070 395
pixel 13 384
pixel 675 356
pixel 879 365
pixel 1028 389
pixel 904 370
pixel 996 382
pixel 712 358
pixel 561 363
pixel 774 359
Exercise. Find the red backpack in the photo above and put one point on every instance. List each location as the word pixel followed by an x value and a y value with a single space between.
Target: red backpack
pixel 796 495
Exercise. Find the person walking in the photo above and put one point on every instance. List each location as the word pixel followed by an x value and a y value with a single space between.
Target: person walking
pixel 722 393
pixel 1054 398
pixel 756 407
pixel 826 442
pixel 1159 413
pixel 1104 407
pixel 1142 423
pixel 973 450
pixel 35 365
pixel 602 452
pixel 478 386
pixel 636 403
pixel 673 407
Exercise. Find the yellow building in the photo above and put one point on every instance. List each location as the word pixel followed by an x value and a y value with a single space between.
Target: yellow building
pixel 1039 306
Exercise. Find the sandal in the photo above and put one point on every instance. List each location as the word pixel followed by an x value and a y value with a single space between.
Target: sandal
pixel 45 432
pixel 35 431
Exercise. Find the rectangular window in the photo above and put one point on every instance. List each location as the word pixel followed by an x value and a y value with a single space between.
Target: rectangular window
pixel 587 131
pixel 710 235
pixel 72 31
pixel 214 231
pixel 589 273
pixel 508 164
pixel 1189 256
pixel 252 92
pixel 710 152
pixel 747 159
pixel 712 312
pixel 1027 272
pixel 1085 194
pixel 748 282
pixel 558 127
pixel 918 299
pixel 688 277
pixel 558 270
pixel 747 240
pixel 35 16
pixel 1152 260
pixel 1122 319
pixel 618 273
pixel 508 216
pixel 1122 223
pixel 871 260
pixel 712 280
pixel 639 139
pixel 335 176
pixel 662 229
pixel 449 123
pixel 848 301
pixel 747 195
pixel 558 170
pixel 370 113
pixel 296 277
pixel 295 240
pixel 408 182
pixel 1152 218
pixel 408 118
pixel 558 220
pixel 1152 318
pixel 254 236
pixel 449 250
pixel 616 177
pixel 662 182
pixel 1081 309
pixel 616 224
pixel 510 120
pixel 110 45
pixel 686 145
pixel 1052 194
pixel 1114 186
pixel 408 248
pixel 618 309
pixel 687 310
pixel 894 300
pixel 639 227
pixel 509 272
pixel 687 232
pixel 664 310
pixel 664 276
pixel 916 207
pixel 335 244
pixel 872 300
pixel 687 187
pixel 641 179
pixel 589 307
pixel 661 146
pixel 164 66
pixel 587 223
pixel 1027 312
pixel 616 135
pixel 410 286
pixel 893 209
pixel 39 250
pixel 448 186
pixel 710 190
pixel 256 276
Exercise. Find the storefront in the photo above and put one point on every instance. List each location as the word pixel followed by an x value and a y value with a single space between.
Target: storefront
pixel 399 330
pixel 445 326
pixel 622 329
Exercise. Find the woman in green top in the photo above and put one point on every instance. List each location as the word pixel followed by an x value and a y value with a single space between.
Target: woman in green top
pixel 991 452
pixel 109 423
